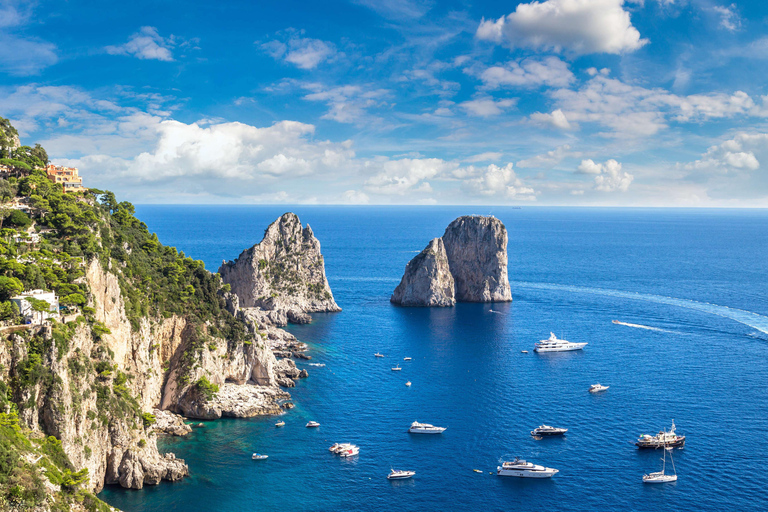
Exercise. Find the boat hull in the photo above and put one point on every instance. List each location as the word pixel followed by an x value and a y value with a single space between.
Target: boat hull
pixel 570 347
pixel 659 479
pixel 520 473
pixel 547 434
pixel 420 431
pixel 654 444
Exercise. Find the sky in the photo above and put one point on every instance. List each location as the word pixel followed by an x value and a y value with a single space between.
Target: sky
pixel 555 102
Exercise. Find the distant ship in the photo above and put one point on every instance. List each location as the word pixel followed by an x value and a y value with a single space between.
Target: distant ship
pixel 553 344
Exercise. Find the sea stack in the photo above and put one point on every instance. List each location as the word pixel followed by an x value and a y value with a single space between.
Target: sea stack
pixel 285 272
pixel 468 264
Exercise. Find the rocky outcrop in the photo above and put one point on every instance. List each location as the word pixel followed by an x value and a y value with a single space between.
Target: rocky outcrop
pixel 170 424
pixel 284 273
pixel 427 280
pixel 468 264
pixel 234 401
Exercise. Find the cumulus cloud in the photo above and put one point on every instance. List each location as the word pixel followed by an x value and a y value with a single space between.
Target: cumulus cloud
pixel 576 26
pixel 733 156
pixel 405 175
pixel 608 176
pixel 556 119
pixel 486 106
pixel 146 44
pixel 495 181
pixel 302 52
pixel 530 72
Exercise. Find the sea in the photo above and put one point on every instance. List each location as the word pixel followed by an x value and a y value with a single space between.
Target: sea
pixel 688 286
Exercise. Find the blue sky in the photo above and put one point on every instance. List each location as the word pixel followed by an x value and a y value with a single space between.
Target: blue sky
pixel 557 102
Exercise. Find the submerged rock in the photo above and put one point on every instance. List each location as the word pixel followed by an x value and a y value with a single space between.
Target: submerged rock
pixel 467 264
pixel 427 280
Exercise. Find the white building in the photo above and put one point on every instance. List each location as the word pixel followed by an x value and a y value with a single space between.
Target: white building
pixel 29 314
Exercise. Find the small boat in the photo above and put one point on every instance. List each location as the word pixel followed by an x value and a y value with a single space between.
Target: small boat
pixel 553 344
pixel 349 451
pixel 408 383
pixel 396 368
pixel 546 430
pixel 524 351
pixel 660 477
pixel 477 471
pixel 662 439
pixel 378 355
pixel 333 448
pixel 425 428
pixel 258 456
pixel 407 358
pixel 395 474
pixel 313 424
pixel 523 469
pixel 597 388
pixel 280 424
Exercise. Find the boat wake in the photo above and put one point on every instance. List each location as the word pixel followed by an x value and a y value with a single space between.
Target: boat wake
pixel 316 364
pixel 638 326
pixel 747 318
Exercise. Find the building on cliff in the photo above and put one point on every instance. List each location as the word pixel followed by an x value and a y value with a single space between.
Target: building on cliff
pixel 26 302
pixel 67 177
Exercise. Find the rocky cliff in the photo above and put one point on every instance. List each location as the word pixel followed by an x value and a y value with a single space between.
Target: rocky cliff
pixel 427 280
pixel 468 264
pixel 283 275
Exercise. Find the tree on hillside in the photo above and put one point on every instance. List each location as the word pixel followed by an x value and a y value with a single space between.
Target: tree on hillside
pixel 39 307
pixel 8 136
pixel 10 286
pixel 40 153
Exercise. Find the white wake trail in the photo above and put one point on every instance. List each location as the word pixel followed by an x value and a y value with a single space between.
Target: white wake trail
pixel 638 326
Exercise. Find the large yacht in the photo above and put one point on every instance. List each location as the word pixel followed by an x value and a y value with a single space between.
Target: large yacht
pixel 425 428
pixel 546 430
pixel 524 469
pixel 553 344
pixel 662 439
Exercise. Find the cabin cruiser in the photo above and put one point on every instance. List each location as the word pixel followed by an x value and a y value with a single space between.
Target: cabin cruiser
pixel 425 428
pixel 597 388
pixel 400 475
pixel 546 430
pixel 312 424
pixel 523 469
pixel 258 456
pixel 280 424
pixel 553 344
pixel 663 439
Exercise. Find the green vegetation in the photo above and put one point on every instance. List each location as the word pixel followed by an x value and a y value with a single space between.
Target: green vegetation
pixel 207 389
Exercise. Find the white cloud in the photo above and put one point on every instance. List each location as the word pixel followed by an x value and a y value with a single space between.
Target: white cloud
pixel 486 106
pixel 405 175
pixel 398 10
pixel 548 159
pixel 729 18
pixel 355 197
pixel 347 103
pixel 556 119
pixel 608 176
pixel 146 44
pixel 577 26
pixel 495 181
pixel 549 71
pixel 302 52
pixel 22 56
pixel 734 155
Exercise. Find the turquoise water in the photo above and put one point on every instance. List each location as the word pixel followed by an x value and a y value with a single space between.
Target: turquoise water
pixel 694 284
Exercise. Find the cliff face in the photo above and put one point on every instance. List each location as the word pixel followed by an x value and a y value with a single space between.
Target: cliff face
pixel 427 280
pixel 468 264
pixel 477 255
pixel 284 273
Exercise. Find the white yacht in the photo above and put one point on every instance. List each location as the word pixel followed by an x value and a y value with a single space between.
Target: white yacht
pixel 553 344
pixel 258 456
pixel 660 477
pixel 407 358
pixel 280 424
pixel 400 475
pixel 312 424
pixel 408 383
pixel 597 388
pixel 425 428
pixel 378 355
pixel 524 469
pixel 546 430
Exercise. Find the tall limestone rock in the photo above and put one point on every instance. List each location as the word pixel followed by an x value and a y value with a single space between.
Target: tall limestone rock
pixel 427 280
pixel 285 272
pixel 477 254
pixel 468 264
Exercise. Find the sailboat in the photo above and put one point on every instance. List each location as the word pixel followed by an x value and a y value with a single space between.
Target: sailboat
pixel 660 477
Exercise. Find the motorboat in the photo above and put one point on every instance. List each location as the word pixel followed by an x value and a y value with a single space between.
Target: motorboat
pixel 425 428
pixel 477 470
pixel 408 383
pixel 312 424
pixel 350 450
pixel 661 440
pixel 378 355
pixel 280 424
pixel 333 447
pixel 546 430
pixel 524 469
pixel 396 368
pixel 597 388
pixel 258 456
pixel 553 344
pixel 395 474
pixel 524 351
pixel 407 358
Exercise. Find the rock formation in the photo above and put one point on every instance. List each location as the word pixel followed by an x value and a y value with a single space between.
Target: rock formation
pixel 468 264
pixel 283 275
pixel 427 280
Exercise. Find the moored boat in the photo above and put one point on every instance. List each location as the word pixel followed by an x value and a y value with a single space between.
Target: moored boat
pixel 597 388
pixel 396 368
pixel 378 355
pixel 662 439
pixel 407 359
pixel 546 430
pixel 553 344
pixel 425 428
pixel 312 424
pixel 524 469
pixel 259 456
pixel 660 477
pixel 395 474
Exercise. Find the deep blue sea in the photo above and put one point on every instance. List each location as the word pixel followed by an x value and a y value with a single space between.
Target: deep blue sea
pixel 694 282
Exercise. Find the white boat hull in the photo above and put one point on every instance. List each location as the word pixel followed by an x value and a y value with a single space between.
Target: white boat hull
pixel 663 479
pixel 429 431
pixel 521 473
pixel 563 348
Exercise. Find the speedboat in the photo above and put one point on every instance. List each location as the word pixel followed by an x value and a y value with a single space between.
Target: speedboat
pixel 524 351
pixel 425 428
pixel 553 344
pixel 523 469
pixel 258 456
pixel 546 430
pixel 395 474
pixel 396 368
pixel 407 359
pixel 408 383
pixel 378 355
pixel 597 388
pixel 662 439
pixel 313 424
pixel 280 424
pixel 350 450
